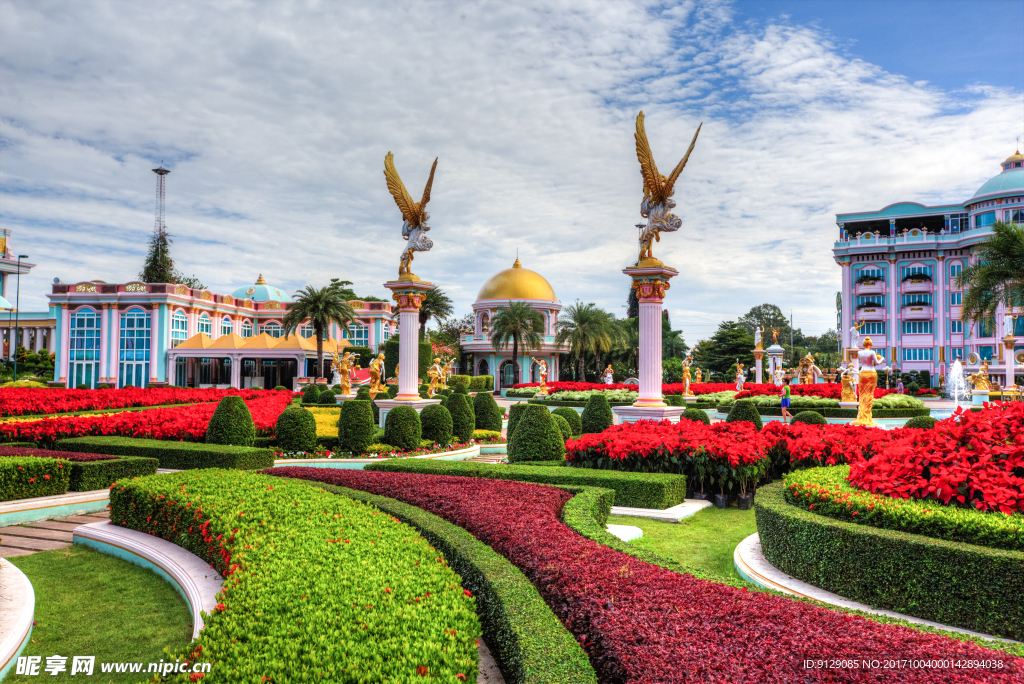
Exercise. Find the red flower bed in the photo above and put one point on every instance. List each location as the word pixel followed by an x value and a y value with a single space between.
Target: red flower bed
pixel 826 390
pixel 666 389
pixel 75 456
pixel 21 401
pixel 640 623
pixel 181 423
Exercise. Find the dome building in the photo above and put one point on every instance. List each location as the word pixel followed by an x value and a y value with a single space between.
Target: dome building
pixel 899 268
pixel 516 284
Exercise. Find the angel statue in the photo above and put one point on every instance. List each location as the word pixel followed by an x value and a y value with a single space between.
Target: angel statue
pixel 414 215
pixel 757 338
pixel 657 201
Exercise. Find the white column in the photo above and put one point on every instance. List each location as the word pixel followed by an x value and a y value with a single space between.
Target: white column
pixel 892 288
pixel 408 353
pixel 65 343
pixel 154 345
pixel 39 339
pixel 940 309
pixel 847 289
pixel 104 341
pixel 650 353
pixel 114 372
pixel 236 372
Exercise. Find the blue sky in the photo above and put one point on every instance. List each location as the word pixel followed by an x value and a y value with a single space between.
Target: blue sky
pixel 275 118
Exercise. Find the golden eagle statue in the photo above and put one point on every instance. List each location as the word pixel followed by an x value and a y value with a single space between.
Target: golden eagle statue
pixel 414 215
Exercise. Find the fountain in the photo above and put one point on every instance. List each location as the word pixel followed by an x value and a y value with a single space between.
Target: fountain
pixel 957 383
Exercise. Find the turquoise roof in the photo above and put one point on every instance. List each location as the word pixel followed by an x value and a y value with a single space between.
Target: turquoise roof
pixel 1007 181
pixel 901 209
pixel 260 292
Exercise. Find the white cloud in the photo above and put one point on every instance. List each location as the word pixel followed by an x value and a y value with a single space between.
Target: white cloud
pixel 275 119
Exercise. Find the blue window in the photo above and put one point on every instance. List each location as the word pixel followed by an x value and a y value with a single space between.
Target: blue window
pixel 986 328
pixel 917 299
pixel 870 273
pixel 911 271
pixel 865 301
pixel 986 219
pixel 955 269
pixel 273 329
pixel 956 353
pixel 917 354
pixel 956 298
pixel 985 352
pixel 179 328
pixel 956 327
pixel 85 336
pixel 358 335
pixel 246 328
pixel 135 336
pixel 872 328
pixel 205 325
pixel 1018 326
pixel 917 327
pixel 225 326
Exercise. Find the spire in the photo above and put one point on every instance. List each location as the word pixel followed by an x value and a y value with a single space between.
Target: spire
pixel 517 264
pixel 260 280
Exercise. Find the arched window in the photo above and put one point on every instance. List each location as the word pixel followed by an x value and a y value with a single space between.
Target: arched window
pixel 482 368
pixel 955 268
pixel 358 335
pixel 485 321
pixel 84 351
pixel 179 328
pixel 306 331
pixel 246 328
pixel 133 354
pixel 225 326
pixel 273 329
pixel 205 325
pixel 507 374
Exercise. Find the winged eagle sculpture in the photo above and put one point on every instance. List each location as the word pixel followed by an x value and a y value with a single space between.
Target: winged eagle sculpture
pixel 414 215
pixel 657 201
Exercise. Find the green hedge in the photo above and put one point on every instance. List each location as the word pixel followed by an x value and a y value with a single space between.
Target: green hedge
pixel 524 636
pixel 402 428
pixel 481 383
pixel 26 477
pixel 745 411
pixel 835 412
pixel 487 414
pixel 175 455
pixel 303 568
pixel 968 586
pixel 437 424
pixel 537 437
pixel 463 420
pixel 639 490
pixel 457 382
pixel 231 423
pixel 296 430
pixel 572 417
pixel 597 416
pixel 87 476
pixel 356 429
pixel 574 404
pixel 390 349
pixel 696 415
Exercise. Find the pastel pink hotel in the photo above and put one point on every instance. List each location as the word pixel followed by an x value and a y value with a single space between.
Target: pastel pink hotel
pixel 153 334
pixel 899 269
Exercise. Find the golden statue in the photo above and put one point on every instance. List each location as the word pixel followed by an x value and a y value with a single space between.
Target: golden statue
pixel 393 380
pixel 849 394
pixel 942 381
pixel 344 368
pixel 979 380
pixel 446 373
pixel 775 335
pixel 740 376
pixel 414 215
pixel 687 392
pixel 543 370
pixel 434 374
pixel 376 371
pixel 657 201
pixel 609 375
pixel 758 343
pixel 869 360
pixel 698 380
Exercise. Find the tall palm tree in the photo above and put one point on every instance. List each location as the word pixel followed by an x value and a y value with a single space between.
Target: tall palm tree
pixel 997 275
pixel 436 305
pixel 587 330
pixel 519 324
pixel 322 307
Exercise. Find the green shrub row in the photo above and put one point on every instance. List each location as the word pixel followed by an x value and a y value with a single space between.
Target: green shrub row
pixel 87 476
pixel 525 637
pixel 831 495
pixel 174 455
pixel 835 412
pixel 965 585
pixel 323 584
pixel 481 383
pixel 356 426
pixel 638 490
pixel 26 477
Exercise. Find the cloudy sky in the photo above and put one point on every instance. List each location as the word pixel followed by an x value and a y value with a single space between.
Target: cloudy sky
pixel 275 118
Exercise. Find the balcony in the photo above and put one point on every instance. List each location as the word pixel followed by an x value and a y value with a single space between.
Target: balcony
pixel 917 286
pixel 915 312
pixel 871 314
pixel 877 287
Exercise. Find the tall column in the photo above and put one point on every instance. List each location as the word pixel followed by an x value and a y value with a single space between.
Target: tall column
pixel 104 341
pixel 154 343
pixel 408 353
pixel 64 343
pixel 39 340
pixel 847 289
pixel 114 370
pixel 236 372
pixel 941 286
pixel 892 325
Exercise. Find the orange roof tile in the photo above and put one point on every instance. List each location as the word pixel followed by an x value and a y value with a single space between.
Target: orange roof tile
pixel 230 341
pixel 198 341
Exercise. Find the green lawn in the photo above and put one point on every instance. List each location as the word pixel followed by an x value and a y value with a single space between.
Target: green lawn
pixel 88 603
pixel 705 540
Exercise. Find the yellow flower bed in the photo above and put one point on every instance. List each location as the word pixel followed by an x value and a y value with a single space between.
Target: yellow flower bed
pixel 326 420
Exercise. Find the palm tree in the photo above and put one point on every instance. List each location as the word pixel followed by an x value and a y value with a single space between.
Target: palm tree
pixel 997 275
pixel 518 324
pixel 321 307
pixel 436 305
pixel 587 330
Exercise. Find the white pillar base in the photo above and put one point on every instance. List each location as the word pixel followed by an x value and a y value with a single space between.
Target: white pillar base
pixel 631 414
pixel 690 400
pixel 849 404
pixel 386 405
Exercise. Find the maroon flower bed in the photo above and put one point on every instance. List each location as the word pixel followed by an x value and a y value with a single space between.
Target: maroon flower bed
pixel 643 624
pixel 74 456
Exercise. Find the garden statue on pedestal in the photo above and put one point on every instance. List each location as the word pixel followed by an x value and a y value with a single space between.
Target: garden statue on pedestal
pixel 435 373
pixel 376 370
pixel 757 338
pixel 869 361
pixel 740 376
pixel 687 392
pixel 542 370
pixel 698 379
pixel 847 375
pixel 609 376
pixel 446 373
pixel 343 371
pixel 414 215
pixel 979 380
pixel 779 373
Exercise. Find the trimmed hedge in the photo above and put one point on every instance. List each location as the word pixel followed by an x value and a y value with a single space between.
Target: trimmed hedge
pixel 923 422
pixel 252 527
pixel 175 455
pixel 597 416
pixel 327 398
pixel 90 475
pixel 525 637
pixel 296 430
pixel 26 477
pixel 356 427
pixel 402 428
pixel 968 586
pixel 459 382
pixel 834 412
pixel 515 412
pixel 463 421
pixel 536 438
pixel 744 409
pixel 696 415
pixel 563 426
pixel 639 490
pixel 231 423
pixel 810 417
pixel 481 383
pixel 310 394
pixel 576 404
pixel 572 417
pixel 437 424
pixel 486 412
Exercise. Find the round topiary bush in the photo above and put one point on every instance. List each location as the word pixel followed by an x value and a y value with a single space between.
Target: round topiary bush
pixel 810 417
pixel 402 428
pixel 572 417
pixel 696 415
pixel 392 391
pixel 363 394
pixel 923 422
pixel 913 388
pixel 597 416
pixel 327 398
pixel 745 409
pixel 356 427
pixel 463 421
pixel 537 437
pixel 336 387
pixel 281 387
pixel 231 423
pixel 514 414
pixel 82 386
pixel 310 394
pixel 437 424
pixel 563 426
pixel 487 412
pixel 322 386
pixel 296 430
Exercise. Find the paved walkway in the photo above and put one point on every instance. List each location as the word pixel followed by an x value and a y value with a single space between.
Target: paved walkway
pixel 45 535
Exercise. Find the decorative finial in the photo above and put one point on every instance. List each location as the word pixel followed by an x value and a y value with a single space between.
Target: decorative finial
pixel 517 264
pixel 260 280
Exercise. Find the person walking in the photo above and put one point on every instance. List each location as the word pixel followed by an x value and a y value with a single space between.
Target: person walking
pixel 787 418
pixel 899 387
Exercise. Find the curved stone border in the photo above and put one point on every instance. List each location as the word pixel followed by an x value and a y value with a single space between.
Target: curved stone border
pixel 20 511
pixel 360 463
pixel 17 610
pixel 754 567
pixel 189 574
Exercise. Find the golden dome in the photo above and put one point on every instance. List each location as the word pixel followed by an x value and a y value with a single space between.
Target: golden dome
pixel 517 283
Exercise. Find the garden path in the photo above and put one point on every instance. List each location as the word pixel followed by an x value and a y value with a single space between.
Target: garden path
pixel 45 535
